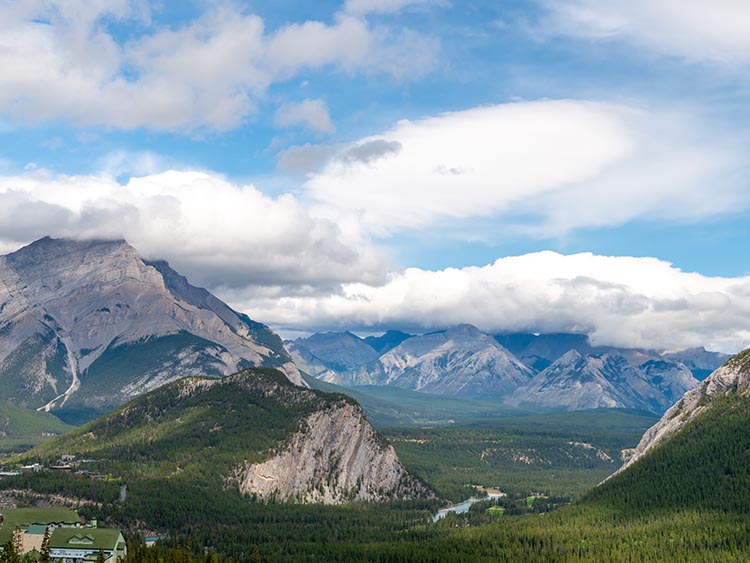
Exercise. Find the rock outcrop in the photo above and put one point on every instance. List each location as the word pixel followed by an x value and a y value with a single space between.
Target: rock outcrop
pixel 731 378
pixel 336 457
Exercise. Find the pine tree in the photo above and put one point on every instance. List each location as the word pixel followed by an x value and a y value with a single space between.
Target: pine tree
pixel 9 554
pixel 44 554
pixel 100 556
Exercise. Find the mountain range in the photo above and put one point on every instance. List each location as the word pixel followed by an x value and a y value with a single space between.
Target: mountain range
pixel 548 370
pixel 87 325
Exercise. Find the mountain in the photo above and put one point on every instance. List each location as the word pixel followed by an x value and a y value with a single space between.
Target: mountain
pixel 89 324
pixel 608 380
pixel 539 351
pixel 253 432
pixel 22 428
pixel 568 371
pixel 730 380
pixel 700 361
pixel 387 341
pixel 696 457
pixel 461 361
pixel 339 351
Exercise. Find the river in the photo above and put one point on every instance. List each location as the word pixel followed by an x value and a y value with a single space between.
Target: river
pixel 463 507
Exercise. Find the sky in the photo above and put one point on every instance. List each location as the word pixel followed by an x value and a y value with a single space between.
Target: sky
pixel 535 166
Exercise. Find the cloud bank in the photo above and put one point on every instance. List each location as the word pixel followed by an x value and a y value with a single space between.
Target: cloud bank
pixel 543 167
pixel 215 232
pixel 624 301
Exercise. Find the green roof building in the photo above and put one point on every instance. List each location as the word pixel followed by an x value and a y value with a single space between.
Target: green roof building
pixel 31 520
pixel 75 545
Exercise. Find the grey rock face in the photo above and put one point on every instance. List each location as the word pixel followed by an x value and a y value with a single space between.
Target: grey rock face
pixel 732 377
pixel 460 361
pixel 337 457
pixel 101 325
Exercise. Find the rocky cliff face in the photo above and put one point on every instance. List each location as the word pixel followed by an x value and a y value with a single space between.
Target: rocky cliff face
pixel 91 323
pixel 731 378
pixel 335 457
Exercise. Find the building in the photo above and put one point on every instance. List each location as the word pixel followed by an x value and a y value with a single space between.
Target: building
pixel 77 545
pixel 33 521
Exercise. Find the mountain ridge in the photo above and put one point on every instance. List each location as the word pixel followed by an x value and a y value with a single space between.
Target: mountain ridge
pixel 628 378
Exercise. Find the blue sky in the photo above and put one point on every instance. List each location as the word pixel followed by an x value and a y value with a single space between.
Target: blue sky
pixel 299 158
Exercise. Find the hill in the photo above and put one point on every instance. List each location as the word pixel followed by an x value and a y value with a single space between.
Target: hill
pixel 697 456
pixel 87 325
pixel 254 432
pixel 21 428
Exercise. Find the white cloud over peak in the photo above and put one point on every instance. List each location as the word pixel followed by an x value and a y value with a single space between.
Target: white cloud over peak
pixel 312 114
pixel 696 30
pixel 60 62
pixel 624 301
pixel 213 231
pixel 545 166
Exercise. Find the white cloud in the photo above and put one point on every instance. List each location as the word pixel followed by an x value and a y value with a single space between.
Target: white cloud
pixel 697 30
pixel 545 166
pixel 639 302
pixel 362 7
pixel 215 232
pixel 312 114
pixel 60 61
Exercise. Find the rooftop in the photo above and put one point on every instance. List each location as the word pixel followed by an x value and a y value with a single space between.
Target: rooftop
pixel 84 538
pixel 25 517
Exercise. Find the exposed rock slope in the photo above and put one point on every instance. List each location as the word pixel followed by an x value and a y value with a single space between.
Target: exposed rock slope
pixel 91 323
pixel 730 379
pixel 335 457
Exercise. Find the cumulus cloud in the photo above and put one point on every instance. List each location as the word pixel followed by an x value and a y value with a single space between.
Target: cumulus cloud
pixel 699 30
pixel 624 301
pixel 312 114
pixel 60 61
pixel 216 232
pixel 546 166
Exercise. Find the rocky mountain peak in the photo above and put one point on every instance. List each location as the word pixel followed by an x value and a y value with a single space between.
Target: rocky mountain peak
pixel 90 322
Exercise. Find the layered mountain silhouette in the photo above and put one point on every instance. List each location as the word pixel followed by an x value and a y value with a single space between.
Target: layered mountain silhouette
pixel 547 370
